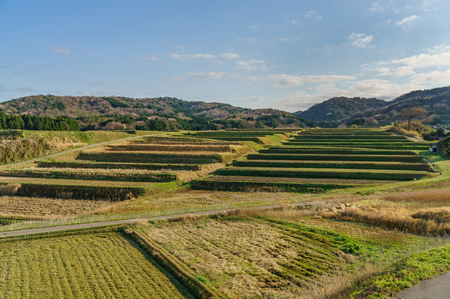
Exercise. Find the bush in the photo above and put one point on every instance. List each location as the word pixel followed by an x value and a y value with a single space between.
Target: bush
pixel 444 146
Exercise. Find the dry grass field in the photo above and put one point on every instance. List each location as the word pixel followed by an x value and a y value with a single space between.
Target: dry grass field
pixel 280 254
pixel 48 208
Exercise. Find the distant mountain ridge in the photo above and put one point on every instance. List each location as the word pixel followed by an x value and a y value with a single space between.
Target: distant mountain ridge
pixel 342 109
pixel 96 112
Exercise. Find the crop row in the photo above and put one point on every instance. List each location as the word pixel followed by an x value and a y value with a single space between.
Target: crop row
pixel 334 164
pixel 346 141
pixel 329 136
pixel 236 134
pixel 100 265
pixel 336 157
pixel 335 150
pixel 79 192
pixel 171 148
pixel 138 157
pixel 98 176
pixel 326 173
pixel 412 146
pixel 112 165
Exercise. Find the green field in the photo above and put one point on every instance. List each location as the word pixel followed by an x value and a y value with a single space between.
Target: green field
pixel 84 265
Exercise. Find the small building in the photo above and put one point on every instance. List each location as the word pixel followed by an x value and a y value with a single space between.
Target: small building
pixel 434 148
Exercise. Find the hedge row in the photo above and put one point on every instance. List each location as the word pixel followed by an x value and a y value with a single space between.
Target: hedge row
pixel 254 139
pixel 131 157
pixel 246 186
pixel 96 176
pixel 362 145
pixel 346 141
pixel 337 157
pixel 111 165
pixel 171 148
pixel 338 165
pixel 335 150
pixel 311 173
pixel 79 192
pixel 330 136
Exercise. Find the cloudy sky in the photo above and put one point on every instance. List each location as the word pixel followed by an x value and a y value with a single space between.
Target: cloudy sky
pixel 286 54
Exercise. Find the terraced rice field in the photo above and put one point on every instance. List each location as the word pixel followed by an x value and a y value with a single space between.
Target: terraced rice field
pixel 87 265
pixel 348 157
pixel 118 171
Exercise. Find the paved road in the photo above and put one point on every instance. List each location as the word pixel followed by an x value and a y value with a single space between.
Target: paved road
pixel 80 148
pixel 436 288
pixel 106 223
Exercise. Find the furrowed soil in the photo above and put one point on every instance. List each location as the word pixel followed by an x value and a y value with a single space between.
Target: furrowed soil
pixel 100 265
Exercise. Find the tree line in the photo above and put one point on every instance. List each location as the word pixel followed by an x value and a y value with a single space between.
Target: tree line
pixel 34 122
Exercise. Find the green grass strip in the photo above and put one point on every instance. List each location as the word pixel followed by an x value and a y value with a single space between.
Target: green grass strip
pixel 327 173
pixel 336 157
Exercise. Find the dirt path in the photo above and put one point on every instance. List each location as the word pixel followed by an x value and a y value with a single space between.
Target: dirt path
pixel 80 148
pixel 106 223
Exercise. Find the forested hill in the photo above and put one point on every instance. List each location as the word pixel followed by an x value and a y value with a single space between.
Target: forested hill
pixel 343 110
pixel 337 109
pixel 164 113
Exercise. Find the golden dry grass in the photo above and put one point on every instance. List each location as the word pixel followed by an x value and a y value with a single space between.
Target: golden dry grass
pixel 442 196
pixel 47 208
pixel 426 221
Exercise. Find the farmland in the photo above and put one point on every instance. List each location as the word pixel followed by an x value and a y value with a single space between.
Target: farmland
pixel 83 265
pixel 348 157
pixel 319 250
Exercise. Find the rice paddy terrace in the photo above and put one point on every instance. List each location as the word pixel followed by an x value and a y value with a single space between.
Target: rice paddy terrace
pixel 318 160
pixel 120 171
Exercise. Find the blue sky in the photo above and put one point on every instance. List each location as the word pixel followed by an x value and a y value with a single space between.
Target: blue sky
pixel 286 54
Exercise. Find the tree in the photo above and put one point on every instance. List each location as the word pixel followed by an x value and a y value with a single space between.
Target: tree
pixel 411 113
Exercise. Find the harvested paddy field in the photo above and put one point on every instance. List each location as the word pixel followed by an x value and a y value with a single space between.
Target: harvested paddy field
pixel 326 154
pixel 48 208
pixel 121 170
pixel 275 253
pixel 83 265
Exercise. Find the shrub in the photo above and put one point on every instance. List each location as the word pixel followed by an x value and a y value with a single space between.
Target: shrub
pixel 444 145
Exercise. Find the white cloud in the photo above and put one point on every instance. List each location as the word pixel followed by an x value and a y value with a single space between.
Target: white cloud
pixel 293 22
pixel 254 26
pixel 376 7
pixel 229 56
pixel 59 50
pixel 434 77
pixel 285 81
pixel 439 56
pixel 94 93
pixel 360 40
pixel 151 58
pixel 283 39
pixel 313 13
pixel 187 57
pixel 249 99
pixel 408 21
pixel 382 89
pixel 251 65
pixel 202 76
pixel 246 39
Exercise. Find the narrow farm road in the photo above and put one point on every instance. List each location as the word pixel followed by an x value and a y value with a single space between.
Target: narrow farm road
pixel 80 148
pixel 106 223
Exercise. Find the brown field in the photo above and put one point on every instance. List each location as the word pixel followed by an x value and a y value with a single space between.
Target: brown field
pixel 47 208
